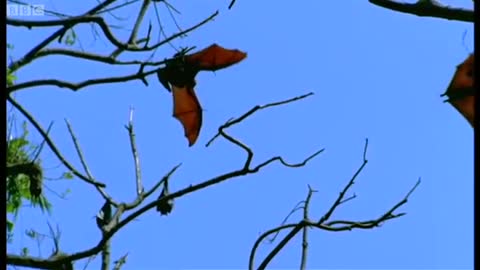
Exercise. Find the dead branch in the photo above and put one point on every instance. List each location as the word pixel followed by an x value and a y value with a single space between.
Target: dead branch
pixel 427 8
pixel 303 261
pixel 136 158
pixel 30 56
pixel 324 224
pixel 85 166
pixel 120 262
pixel 78 86
pixel 140 75
pixel 52 145
pixel 94 57
pixel 231 4
pixel 115 225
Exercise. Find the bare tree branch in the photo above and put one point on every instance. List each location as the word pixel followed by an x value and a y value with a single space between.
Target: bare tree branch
pixel 52 146
pixel 120 262
pixel 234 121
pixel 76 86
pixel 30 56
pixel 138 22
pixel 85 166
pixel 174 36
pixel 114 226
pixel 94 57
pixel 323 222
pixel 136 158
pixel 231 4
pixel 156 186
pixel 427 8
pixel 106 254
pixel 303 262
pixel 345 189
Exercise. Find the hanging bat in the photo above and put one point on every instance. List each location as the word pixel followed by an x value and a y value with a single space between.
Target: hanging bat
pixel 178 77
pixel 461 91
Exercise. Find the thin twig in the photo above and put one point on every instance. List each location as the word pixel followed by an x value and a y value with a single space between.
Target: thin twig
pixel 339 200
pixel 120 262
pixel 95 57
pixel 234 121
pixel 30 56
pixel 136 158
pixel 298 206
pixel 327 226
pixel 114 226
pixel 50 143
pixel 140 198
pixel 40 148
pixel 85 166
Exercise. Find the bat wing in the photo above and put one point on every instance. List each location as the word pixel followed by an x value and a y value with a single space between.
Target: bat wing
pixel 188 111
pixel 214 58
pixel 466 107
pixel 461 91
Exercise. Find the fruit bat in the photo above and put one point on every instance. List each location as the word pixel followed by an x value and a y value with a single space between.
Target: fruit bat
pixel 178 77
pixel 461 91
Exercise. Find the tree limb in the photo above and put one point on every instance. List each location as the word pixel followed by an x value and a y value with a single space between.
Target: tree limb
pixel 52 146
pixel 323 222
pixel 113 226
pixel 428 8
pixel 30 56
pixel 85 166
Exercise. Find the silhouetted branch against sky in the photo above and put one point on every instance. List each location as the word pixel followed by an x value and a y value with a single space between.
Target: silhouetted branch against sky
pixel 52 145
pixel 132 45
pixel 116 222
pixel 427 8
pixel 323 223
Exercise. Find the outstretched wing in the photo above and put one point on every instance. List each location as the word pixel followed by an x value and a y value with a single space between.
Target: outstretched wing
pixel 461 91
pixel 214 58
pixel 188 111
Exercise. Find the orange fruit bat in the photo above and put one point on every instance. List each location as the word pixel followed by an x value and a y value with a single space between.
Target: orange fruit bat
pixel 178 77
pixel 461 91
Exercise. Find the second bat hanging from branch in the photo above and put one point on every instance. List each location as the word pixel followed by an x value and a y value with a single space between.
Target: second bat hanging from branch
pixel 178 77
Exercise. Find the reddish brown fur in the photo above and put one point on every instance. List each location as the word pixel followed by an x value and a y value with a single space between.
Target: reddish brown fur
pixel 214 58
pixel 187 110
pixel 461 92
pixel 181 76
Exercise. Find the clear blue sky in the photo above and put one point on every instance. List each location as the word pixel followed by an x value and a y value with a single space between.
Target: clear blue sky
pixel 375 73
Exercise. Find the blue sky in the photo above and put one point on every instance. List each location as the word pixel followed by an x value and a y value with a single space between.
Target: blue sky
pixel 376 74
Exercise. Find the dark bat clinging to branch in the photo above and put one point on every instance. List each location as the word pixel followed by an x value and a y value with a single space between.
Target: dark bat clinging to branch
pixel 178 77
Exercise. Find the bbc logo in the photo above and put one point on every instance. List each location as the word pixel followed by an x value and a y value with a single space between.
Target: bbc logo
pixel 24 10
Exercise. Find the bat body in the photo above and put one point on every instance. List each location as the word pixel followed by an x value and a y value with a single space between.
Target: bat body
pixel 461 91
pixel 178 77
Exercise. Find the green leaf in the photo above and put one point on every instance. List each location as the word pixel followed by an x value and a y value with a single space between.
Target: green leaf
pixel 67 175
pixel 10 225
pixel 24 252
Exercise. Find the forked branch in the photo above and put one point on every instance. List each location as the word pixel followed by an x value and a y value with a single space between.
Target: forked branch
pixel 115 226
pixel 323 223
